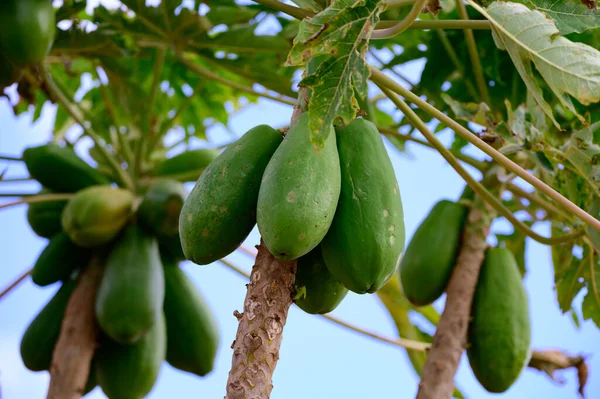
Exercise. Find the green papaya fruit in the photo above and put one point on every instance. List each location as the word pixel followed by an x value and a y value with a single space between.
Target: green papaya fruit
pixel 317 291
pixel 192 332
pixel 499 335
pixel 299 193
pixel 58 260
pixel 27 29
pixel 40 337
pixel 44 217
pixel 60 169
pixel 431 254
pixel 220 211
pixel 131 293
pixel 188 165
pixel 364 245
pixel 130 371
pixel 9 73
pixel 161 206
pixel 96 215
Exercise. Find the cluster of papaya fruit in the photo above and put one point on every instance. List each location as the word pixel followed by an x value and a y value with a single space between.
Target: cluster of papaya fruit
pixel 499 333
pixel 338 211
pixel 148 309
pixel 27 29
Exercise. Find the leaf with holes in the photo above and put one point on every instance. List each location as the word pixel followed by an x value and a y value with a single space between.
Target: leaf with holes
pixel 341 32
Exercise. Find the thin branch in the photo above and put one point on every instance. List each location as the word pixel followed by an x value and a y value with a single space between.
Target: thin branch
pixel 441 24
pixel 38 198
pixel 474 54
pixel 16 179
pixel 10 159
pixel 213 76
pixel 62 99
pixel 401 26
pixel 391 69
pixel 383 80
pixel 15 195
pixel 15 283
pixel 474 184
pixel 537 200
pixel 479 165
pixel 158 67
pixel 292 11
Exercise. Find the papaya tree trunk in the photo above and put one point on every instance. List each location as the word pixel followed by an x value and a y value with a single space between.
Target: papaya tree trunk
pixel 77 341
pixel 437 381
pixel 259 334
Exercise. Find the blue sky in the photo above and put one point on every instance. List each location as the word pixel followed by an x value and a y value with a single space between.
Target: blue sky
pixel 318 359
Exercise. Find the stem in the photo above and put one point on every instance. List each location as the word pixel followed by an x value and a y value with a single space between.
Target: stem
pixel 10 159
pixel 53 89
pixel 381 79
pixel 391 4
pixel 441 24
pixel 12 195
pixel 474 54
pixel 77 340
pixel 38 198
pixel 16 179
pixel 456 61
pixel 259 334
pixel 401 26
pixel 536 199
pixel 292 11
pixel 392 70
pixel 211 75
pixel 474 184
pixel 479 165
pixel 15 283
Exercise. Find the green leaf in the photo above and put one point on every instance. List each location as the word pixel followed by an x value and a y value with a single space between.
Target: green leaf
pixel 234 14
pixel 591 307
pixel 309 5
pixel 470 112
pixel 571 70
pixel 341 32
pixel 570 15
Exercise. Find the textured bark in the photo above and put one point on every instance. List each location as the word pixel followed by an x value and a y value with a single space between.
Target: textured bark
pixel 77 341
pixel 259 334
pixel 437 381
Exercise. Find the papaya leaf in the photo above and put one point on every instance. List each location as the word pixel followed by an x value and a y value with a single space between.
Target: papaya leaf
pixel 585 155
pixel 571 70
pixel 233 14
pixel 570 15
pixel 341 32
pixel 470 112
pixel 309 5
pixel 243 40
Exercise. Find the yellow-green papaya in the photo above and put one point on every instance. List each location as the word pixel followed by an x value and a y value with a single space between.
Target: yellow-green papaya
pixel 220 211
pixel 364 245
pixel 298 193
pixel 499 335
pixel 96 215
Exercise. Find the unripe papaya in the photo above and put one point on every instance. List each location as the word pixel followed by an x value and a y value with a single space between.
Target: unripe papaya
pixel 431 254
pixel 161 206
pixel 27 29
pixel 132 290
pixel 96 215
pixel 60 169
pixel 220 211
pixel 44 217
pixel 364 245
pixel 58 260
pixel 40 337
pixel 317 291
pixel 130 371
pixel 190 164
pixel 192 332
pixel 499 335
pixel 299 193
